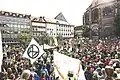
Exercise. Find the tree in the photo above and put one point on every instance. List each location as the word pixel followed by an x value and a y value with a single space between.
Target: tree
pixel 86 32
pixel 59 39
pixel 24 38
pixel 45 39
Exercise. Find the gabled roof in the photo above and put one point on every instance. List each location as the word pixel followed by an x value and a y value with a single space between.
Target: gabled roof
pixel 60 17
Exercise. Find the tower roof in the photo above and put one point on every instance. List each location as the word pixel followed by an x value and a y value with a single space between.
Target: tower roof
pixel 60 17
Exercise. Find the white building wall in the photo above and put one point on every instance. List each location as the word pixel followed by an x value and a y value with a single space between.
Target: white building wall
pixel 51 29
pixel 38 28
pixel 60 29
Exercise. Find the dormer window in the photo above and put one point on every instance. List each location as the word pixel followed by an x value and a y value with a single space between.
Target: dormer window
pixel 20 15
pixel 6 13
pixel 2 13
pixel 14 14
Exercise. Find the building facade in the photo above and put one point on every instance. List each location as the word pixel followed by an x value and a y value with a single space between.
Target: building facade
pixel 100 17
pixel 78 30
pixel 59 27
pixel 13 24
pixel 38 26
pixel 52 27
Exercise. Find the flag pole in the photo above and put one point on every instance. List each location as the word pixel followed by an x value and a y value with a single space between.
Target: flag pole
pixel 1 51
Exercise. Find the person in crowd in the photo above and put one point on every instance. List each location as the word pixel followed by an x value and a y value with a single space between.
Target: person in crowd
pixel 25 75
pixel 70 75
pixel 43 76
pixel 43 69
pixel 88 74
pixel 93 53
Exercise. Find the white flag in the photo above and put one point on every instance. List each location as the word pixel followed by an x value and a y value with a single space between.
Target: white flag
pixel 65 64
pixel 33 51
pixel 1 51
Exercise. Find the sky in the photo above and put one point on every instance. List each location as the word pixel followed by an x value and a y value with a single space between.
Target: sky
pixel 73 10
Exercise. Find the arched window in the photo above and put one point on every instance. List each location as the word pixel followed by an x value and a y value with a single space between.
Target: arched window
pixel 87 17
pixel 95 14
pixel 107 11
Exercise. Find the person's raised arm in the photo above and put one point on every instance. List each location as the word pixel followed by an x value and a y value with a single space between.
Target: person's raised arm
pixel 79 68
pixel 59 72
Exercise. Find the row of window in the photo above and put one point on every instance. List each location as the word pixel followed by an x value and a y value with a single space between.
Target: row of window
pixel 14 26
pixel 63 34
pixel 65 26
pixel 36 29
pixel 63 30
pixel 53 34
pixel 18 20
pixel 60 34
pixel 59 29
pixel 38 34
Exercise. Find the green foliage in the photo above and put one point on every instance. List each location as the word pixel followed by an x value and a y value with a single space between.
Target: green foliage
pixel 25 38
pixel 86 32
pixel 59 39
pixel 46 39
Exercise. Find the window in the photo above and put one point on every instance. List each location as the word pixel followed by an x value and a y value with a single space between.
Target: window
pixel 20 16
pixel 15 25
pixel 6 14
pixel 14 14
pixel 22 26
pixel 107 11
pixel 95 14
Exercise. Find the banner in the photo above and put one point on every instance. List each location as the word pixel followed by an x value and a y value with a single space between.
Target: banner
pixel 65 64
pixel 33 51
pixel 1 51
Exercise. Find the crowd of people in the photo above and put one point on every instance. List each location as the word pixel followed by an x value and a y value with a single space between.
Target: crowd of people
pixel 100 60
pixel 16 67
